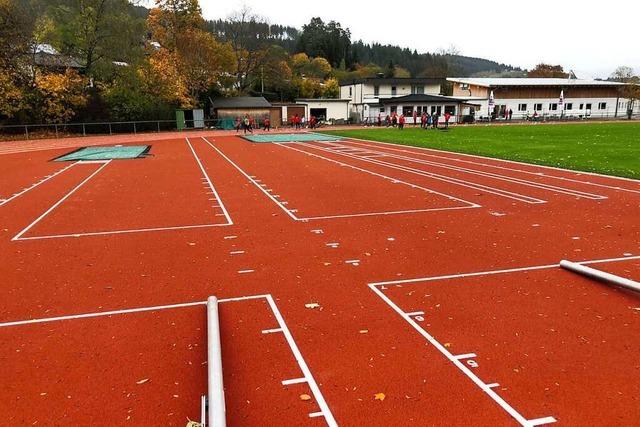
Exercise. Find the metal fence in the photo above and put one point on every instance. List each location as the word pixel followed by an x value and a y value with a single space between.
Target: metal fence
pixel 44 131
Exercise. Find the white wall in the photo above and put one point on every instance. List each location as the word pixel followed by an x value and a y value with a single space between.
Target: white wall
pixel 336 110
pixel 595 112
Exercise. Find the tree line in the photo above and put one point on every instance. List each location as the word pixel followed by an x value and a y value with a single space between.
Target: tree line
pixel 96 60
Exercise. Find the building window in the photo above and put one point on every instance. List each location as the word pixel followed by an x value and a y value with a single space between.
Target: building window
pixel 602 106
pixel 394 91
pixel 464 86
pixel 568 106
pixel 417 90
pixel 382 109
pixel 588 107
pixel 394 109
pixel 407 111
pixel 537 107
pixel 553 106
pixel 350 92
pixel 522 107
pixel 376 90
pixel 581 106
pixel 451 109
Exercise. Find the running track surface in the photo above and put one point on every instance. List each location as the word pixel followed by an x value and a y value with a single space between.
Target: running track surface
pixel 433 273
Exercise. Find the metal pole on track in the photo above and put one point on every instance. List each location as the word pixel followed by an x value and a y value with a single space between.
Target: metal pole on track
pixel 216 404
pixel 608 278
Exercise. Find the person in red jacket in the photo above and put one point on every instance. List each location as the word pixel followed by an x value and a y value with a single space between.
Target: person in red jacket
pixel 401 121
pixel 447 117
pixel 415 118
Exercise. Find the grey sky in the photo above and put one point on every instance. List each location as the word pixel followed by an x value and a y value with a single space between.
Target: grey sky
pixel 586 36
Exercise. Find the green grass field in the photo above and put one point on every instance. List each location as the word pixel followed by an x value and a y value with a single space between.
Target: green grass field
pixel 607 148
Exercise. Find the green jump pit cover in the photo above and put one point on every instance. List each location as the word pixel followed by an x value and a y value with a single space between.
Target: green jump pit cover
pixel 105 153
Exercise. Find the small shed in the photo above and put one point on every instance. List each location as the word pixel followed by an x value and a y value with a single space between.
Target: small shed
pixel 333 110
pixel 226 110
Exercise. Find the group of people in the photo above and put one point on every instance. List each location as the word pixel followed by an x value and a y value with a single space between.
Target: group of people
pixel 248 124
pixel 427 120
pixel 300 122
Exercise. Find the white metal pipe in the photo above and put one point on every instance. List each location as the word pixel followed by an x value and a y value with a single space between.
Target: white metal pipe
pixel 217 411
pixel 607 278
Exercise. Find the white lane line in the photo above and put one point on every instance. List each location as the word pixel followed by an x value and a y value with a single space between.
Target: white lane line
pixel 271 331
pixel 476 156
pixel 252 180
pixel 394 180
pixel 245 271
pixel 59 202
pixel 461 366
pixel 124 311
pixel 316 414
pixel 236 252
pixel 465 356
pixel 510 179
pixel 541 421
pixel 415 313
pixel 210 185
pixel 35 185
pixel 116 232
pixel 294 381
pixel 230 237
pixel 324 408
pixel 444 178
pixel 493 385
pixel 508 270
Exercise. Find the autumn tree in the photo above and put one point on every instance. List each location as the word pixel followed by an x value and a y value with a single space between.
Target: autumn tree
pixel 631 89
pixel 98 32
pixel 60 96
pixel 548 71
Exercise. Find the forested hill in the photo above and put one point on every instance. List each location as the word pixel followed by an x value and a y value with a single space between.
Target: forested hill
pixel 361 53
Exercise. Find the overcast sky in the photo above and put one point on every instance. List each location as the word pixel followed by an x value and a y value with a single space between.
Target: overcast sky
pixel 583 35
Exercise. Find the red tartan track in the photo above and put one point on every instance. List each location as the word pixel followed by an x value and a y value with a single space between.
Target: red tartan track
pixel 403 249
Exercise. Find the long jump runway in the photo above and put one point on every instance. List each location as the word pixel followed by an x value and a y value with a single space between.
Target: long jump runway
pixel 360 283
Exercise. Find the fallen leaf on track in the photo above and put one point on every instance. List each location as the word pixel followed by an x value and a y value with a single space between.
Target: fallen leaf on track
pixel 379 396
pixel 447 344
pixel 142 381
pixel 305 397
pixel 312 305
pixel 364 331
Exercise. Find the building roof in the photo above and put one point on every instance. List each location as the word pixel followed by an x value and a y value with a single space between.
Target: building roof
pixel 419 98
pixel 45 55
pixel 241 102
pixel 393 80
pixel 299 100
pixel 499 81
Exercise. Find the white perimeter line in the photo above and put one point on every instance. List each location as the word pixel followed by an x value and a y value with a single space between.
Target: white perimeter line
pixel 213 189
pixel 579 172
pixel 42 181
pixel 324 408
pixel 509 270
pixel 461 366
pixel 77 187
pixel 394 180
pixel 506 178
pixel 287 211
pixel 294 381
pixel 439 177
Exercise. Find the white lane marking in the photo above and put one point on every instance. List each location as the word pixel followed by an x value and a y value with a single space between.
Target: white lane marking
pixel 444 178
pixel 476 156
pixel 508 270
pixel 35 185
pixel 245 271
pixel 510 179
pixel 116 232
pixel 394 180
pixel 294 381
pixel 252 180
pixel 210 184
pixel 324 408
pixel 236 252
pixel 416 313
pixel 230 237
pixel 271 331
pixel 493 385
pixel 59 202
pixel 465 356
pixel 316 414
pixel 461 366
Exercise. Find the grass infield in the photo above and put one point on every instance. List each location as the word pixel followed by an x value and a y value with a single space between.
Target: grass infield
pixel 606 148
